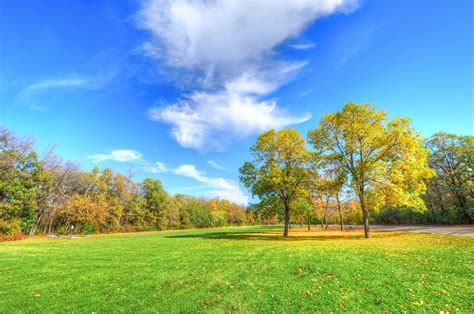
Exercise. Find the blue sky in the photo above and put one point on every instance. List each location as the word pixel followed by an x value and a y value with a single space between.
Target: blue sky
pixel 180 91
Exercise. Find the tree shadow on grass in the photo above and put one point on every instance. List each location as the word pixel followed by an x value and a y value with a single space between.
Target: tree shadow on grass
pixel 276 235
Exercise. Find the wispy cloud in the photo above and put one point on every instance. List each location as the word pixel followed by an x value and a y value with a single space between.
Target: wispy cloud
pixel 217 165
pixel 67 82
pixel 155 167
pixel 305 93
pixel 358 42
pixel 229 53
pixel 220 187
pixel 185 189
pixel 71 82
pixel 122 155
pixel 131 156
pixel 303 46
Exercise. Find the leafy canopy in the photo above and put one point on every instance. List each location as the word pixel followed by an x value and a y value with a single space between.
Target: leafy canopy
pixel 385 161
pixel 281 167
pixel 452 157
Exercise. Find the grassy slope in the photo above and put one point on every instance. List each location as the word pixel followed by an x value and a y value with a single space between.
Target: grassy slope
pixel 238 269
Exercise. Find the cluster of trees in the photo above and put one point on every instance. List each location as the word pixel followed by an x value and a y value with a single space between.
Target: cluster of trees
pixel 49 195
pixel 362 159
pixel 450 193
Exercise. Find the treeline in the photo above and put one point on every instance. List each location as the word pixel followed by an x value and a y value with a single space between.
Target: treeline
pixel 362 167
pixel 49 195
pixel 358 165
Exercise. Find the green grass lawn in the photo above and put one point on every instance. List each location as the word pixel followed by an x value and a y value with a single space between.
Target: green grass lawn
pixel 244 269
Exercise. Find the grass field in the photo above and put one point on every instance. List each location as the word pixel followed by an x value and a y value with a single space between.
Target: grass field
pixel 244 269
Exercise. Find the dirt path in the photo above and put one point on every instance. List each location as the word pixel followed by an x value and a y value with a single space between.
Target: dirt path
pixel 465 231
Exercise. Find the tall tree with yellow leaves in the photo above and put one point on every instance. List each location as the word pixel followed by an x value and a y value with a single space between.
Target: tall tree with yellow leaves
pixel 384 160
pixel 280 170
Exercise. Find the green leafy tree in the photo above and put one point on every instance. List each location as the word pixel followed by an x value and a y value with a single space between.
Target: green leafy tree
pixel 384 161
pixel 280 169
pixel 452 157
pixel 267 209
pixel 155 199
pixel 305 210
pixel 19 182
pixel 335 179
pixel 199 213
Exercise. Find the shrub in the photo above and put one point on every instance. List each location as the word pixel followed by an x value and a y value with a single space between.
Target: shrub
pixel 10 227
pixel 399 215
pixel 88 229
pixel 408 215
pixel 16 237
pixel 449 216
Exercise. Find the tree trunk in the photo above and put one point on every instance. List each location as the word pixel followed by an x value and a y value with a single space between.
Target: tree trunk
pixel 36 224
pixel 365 215
pixel 287 220
pixel 50 227
pixel 33 229
pixel 461 200
pixel 340 211
pixel 326 213
pixel 309 225
pixel 301 223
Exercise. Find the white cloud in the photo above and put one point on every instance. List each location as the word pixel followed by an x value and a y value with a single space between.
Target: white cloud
pixel 220 34
pixel 155 167
pixel 217 166
pixel 227 50
pixel 122 155
pixel 190 171
pixel 303 46
pixel 211 120
pixel 220 187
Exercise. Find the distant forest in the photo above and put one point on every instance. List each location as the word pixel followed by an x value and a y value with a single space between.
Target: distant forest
pixel 49 195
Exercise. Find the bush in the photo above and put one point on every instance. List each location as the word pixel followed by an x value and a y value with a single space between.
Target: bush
pixel 470 212
pixel 399 215
pixel 409 216
pixel 88 229
pixel 16 237
pixel 449 216
pixel 10 227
